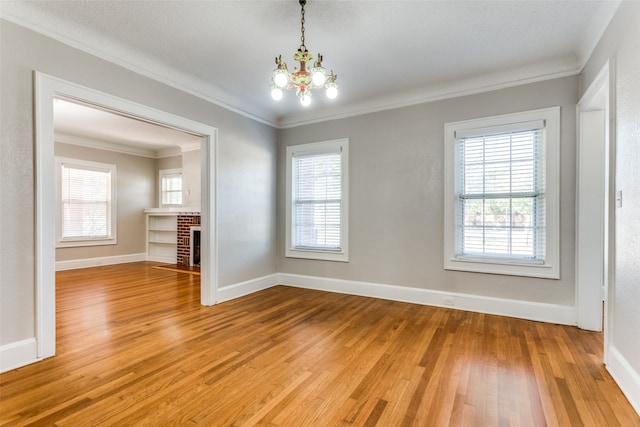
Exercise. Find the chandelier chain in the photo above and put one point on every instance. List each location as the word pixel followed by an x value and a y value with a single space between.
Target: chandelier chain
pixel 302 46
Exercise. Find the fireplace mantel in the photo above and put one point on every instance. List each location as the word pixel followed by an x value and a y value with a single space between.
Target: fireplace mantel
pixel 181 210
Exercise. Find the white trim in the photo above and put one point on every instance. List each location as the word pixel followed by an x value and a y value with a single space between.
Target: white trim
pixel 551 313
pixel 204 90
pixel 587 53
pixel 625 376
pixel 46 89
pixel 112 216
pixel 551 267
pixel 94 262
pixel 161 174
pixel 594 211
pixel 156 70
pixel 84 141
pixel 17 354
pixel 209 217
pixel 324 147
pixel 241 289
pixel 542 312
pixel 418 97
pixel 45 303
pixel 610 296
pixel 164 259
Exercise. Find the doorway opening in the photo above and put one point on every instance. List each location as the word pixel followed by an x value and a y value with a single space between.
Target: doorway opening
pixel 594 206
pixel 47 89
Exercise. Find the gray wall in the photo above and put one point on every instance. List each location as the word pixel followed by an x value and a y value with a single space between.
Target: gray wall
pixel 135 186
pixel 621 42
pixel 396 194
pixel 191 176
pixel 246 162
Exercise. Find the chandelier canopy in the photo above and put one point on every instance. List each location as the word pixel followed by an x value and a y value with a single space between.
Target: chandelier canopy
pixel 301 79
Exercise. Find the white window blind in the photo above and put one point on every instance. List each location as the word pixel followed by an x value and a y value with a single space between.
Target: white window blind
pixel 500 193
pixel 317 201
pixel 86 197
pixel 171 189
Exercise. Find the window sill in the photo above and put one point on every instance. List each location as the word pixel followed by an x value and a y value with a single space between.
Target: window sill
pixel 493 266
pixel 317 255
pixel 175 209
pixel 81 242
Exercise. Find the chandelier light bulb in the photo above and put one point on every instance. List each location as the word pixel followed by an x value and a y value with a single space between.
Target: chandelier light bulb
pixel 305 100
pixel 318 77
pixel 276 93
pixel 332 91
pixel 280 78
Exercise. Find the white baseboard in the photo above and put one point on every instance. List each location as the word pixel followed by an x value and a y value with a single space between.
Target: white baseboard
pixel 550 313
pixel 543 312
pixel 627 378
pixel 165 259
pixel 17 354
pixel 94 262
pixel 237 290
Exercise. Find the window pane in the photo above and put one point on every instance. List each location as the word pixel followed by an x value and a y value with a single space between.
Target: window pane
pixel 499 227
pixel 171 189
pixel 501 195
pixel 317 202
pixel 86 202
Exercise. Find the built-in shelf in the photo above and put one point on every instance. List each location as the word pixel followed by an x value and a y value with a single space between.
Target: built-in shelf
pixel 162 232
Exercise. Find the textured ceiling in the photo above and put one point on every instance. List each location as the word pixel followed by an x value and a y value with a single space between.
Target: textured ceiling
pixel 385 53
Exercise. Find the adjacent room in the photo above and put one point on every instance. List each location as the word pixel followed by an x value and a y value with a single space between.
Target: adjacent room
pixel 422 213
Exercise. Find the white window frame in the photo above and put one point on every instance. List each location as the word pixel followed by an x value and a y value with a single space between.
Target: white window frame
pixel 84 241
pixel 339 145
pixel 162 173
pixel 550 268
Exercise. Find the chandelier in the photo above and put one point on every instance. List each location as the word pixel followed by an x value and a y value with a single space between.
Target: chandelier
pixel 301 79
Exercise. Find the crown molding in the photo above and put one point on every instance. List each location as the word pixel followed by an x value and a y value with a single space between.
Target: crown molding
pixel 432 94
pixel 115 147
pixel 161 73
pixel 193 86
pixel 587 51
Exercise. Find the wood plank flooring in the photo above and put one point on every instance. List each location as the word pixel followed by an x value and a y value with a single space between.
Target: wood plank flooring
pixel 135 348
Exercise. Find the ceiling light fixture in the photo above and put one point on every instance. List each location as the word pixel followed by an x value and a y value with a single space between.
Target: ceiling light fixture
pixel 302 80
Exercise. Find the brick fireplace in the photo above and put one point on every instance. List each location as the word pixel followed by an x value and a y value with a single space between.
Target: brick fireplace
pixel 185 222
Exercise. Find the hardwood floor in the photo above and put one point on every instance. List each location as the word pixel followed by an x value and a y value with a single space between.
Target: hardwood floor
pixel 135 347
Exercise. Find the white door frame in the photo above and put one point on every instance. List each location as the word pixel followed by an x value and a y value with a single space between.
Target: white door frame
pixel 46 89
pixel 595 208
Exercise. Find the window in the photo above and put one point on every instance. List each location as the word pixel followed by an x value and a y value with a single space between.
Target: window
pixel 170 187
pixel 317 202
pixel 86 203
pixel 501 204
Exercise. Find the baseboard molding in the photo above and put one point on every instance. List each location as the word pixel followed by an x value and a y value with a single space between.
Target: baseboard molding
pixel 550 313
pixel 94 262
pixel 17 354
pixel 237 290
pixel 627 378
pixel 165 259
